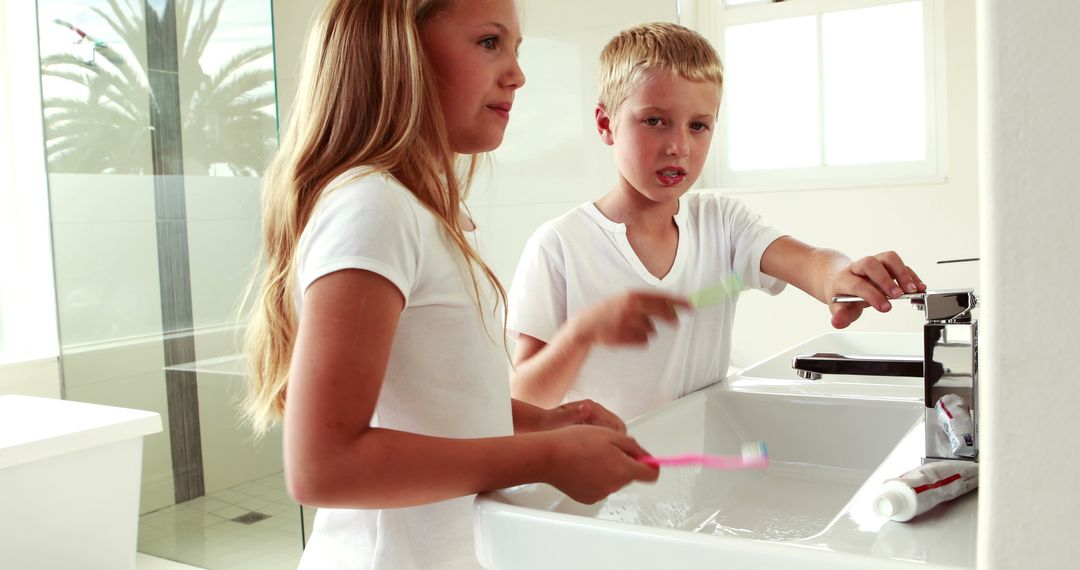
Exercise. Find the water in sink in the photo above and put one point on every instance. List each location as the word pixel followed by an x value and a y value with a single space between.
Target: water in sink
pixel 821 451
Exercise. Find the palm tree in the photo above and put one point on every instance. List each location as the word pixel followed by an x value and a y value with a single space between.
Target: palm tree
pixel 228 114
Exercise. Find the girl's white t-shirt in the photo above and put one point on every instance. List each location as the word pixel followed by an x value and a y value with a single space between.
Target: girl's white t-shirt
pixel 581 258
pixel 447 374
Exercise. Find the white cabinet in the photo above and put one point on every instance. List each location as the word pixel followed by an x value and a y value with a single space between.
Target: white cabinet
pixel 69 483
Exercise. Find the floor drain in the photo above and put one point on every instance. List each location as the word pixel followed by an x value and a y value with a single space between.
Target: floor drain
pixel 250 518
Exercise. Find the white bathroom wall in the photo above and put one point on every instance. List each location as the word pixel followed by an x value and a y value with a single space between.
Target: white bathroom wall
pixel 1028 501
pixel 31 378
pixel 28 338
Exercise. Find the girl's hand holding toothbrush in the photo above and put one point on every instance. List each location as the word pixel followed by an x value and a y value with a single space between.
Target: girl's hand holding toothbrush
pixel 588 463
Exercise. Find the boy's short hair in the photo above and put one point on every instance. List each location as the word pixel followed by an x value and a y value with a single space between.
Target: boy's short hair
pixel 636 51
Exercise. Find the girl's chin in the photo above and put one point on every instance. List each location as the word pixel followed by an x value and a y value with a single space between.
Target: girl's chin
pixel 478 145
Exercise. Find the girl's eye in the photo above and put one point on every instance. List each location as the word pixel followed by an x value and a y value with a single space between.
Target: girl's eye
pixel 699 126
pixel 490 42
pixel 652 121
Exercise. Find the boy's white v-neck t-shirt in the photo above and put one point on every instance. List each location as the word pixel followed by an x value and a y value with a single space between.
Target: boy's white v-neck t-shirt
pixel 581 258
pixel 447 374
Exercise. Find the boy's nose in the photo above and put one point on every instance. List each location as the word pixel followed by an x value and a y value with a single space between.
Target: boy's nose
pixel 677 146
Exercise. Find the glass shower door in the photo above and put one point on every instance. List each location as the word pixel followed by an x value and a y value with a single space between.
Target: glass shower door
pixel 160 116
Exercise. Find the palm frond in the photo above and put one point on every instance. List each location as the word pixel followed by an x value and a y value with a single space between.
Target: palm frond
pixel 129 24
pixel 240 60
pixel 80 77
pixel 203 29
pixel 240 84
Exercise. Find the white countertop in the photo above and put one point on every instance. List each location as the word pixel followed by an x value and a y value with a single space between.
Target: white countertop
pixel 33 428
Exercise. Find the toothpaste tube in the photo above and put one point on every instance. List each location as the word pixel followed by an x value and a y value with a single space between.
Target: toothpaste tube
pixel 925 487
pixel 954 416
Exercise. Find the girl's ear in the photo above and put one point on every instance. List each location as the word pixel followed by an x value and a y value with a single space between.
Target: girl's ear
pixel 603 126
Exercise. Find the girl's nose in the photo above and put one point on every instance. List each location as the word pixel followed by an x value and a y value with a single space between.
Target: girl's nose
pixel 514 78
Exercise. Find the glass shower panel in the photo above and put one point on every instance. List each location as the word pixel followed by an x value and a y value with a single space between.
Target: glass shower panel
pixel 160 116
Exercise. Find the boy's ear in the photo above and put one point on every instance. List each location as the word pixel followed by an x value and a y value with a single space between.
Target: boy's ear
pixel 603 125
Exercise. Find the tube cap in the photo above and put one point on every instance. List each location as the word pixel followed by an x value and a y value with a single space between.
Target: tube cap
pixel 893 504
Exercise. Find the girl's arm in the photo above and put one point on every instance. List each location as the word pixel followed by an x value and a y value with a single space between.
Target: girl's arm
pixel 334 458
pixel 826 273
pixel 545 371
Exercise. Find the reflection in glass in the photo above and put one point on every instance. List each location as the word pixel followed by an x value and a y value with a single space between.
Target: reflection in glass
pixel 97 96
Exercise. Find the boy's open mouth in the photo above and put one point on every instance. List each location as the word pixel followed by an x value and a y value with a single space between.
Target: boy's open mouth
pixel 671 175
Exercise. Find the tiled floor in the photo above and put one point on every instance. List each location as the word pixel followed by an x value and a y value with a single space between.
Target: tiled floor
pixel 202 532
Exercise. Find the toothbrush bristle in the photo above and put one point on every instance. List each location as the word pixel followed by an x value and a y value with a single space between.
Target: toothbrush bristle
pixel 755 452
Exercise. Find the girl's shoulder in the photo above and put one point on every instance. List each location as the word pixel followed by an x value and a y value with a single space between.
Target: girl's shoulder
pixel 362 184
pixel 367 192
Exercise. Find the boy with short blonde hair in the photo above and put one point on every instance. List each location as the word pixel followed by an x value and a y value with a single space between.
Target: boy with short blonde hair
pixel 591 283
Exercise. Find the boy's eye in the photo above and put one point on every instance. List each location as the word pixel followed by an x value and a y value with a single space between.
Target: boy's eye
pixel 490 42
pixel 652 121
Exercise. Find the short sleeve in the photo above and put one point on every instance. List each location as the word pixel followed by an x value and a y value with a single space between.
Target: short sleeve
pixel 749 238
pixel 537 296
pixel 366 224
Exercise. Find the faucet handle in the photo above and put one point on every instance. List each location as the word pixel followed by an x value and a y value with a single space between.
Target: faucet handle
pixel 942 306
pixel 914 297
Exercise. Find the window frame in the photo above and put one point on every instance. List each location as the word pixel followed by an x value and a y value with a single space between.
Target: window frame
pixel 714 18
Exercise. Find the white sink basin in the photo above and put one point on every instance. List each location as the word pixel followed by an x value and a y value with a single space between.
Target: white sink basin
pixel 829 443
pixel 818 462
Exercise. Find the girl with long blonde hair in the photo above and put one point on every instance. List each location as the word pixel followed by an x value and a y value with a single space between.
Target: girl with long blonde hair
pixel 378 331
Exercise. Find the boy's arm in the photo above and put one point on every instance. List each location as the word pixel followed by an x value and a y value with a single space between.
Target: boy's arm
pixel 545 371
pixel 826 273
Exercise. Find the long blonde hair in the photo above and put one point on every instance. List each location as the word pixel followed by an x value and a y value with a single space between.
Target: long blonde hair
pixel 366 97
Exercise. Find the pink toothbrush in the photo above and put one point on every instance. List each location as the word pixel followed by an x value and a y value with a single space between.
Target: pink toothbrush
pixel 754 456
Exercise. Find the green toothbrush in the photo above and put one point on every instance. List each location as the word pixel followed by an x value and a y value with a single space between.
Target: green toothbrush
pixel 716 294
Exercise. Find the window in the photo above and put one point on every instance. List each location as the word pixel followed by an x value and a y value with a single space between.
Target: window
pixel 829 94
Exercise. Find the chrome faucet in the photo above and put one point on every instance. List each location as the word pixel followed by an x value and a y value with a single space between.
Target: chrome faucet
pixel 949 363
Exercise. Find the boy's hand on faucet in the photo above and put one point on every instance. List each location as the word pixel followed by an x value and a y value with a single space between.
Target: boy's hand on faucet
pixel 627 318
pixel 585 412
pixel 875 278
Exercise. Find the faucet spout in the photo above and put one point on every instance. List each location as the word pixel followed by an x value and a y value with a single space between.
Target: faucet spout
pixel 812 366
